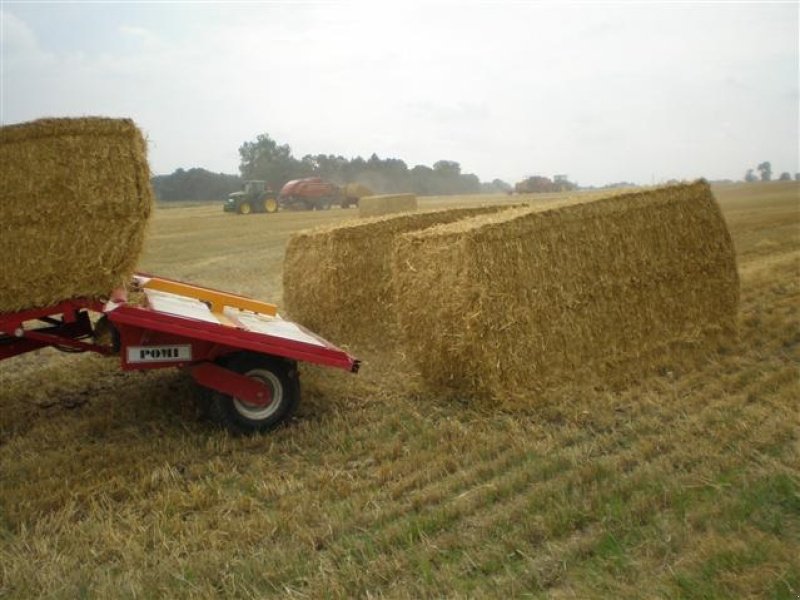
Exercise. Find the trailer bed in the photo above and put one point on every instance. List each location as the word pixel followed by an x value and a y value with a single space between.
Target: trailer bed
pixel 238 347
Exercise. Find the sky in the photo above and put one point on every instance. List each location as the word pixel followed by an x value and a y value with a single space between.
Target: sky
pixel 601 92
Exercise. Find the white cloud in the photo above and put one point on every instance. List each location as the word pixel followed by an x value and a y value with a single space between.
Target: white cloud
pixel 17 37
pixel 141 35
pixel 19 46
pixel 601 93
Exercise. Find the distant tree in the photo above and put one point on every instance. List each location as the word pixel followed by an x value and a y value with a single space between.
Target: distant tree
pixel 194 184
pixel 467 183
pixel 264 159
pixel 765 168
pixel 750 177
pixel 563 183
pixel 447 167
pixel 619 184
pixel 395 174
pixel 785 176
pixel 328 167
pixel 539 184
pixel 381 175
pixel 496 186
pixel 797 176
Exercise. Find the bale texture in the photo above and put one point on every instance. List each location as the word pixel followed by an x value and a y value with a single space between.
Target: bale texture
pixel 74 203
pixel 374 206
pixel 603 291
pixel 337 279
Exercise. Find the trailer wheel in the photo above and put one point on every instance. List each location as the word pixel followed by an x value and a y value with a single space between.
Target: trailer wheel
pixel 240 417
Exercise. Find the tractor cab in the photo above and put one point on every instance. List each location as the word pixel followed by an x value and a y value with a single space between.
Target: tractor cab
pixel 254 187
pixel 255 196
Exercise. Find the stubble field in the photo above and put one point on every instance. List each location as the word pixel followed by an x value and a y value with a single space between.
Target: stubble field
pixel 684 486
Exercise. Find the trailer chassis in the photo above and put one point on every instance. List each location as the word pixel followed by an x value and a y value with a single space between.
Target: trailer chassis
pixel 237 348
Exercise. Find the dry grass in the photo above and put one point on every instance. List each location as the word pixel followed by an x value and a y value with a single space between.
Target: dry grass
pixel 682 486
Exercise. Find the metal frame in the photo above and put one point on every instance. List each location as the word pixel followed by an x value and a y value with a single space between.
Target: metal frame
pixel 168 340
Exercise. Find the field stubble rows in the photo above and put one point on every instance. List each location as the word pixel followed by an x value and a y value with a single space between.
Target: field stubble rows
pixel 683 486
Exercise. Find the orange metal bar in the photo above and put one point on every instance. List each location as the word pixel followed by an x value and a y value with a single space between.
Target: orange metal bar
pixel 217 300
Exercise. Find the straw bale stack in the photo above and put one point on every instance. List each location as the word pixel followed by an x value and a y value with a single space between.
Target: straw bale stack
pixel 337 279
pixel 603 290
pixel 374 206
pixel 74 203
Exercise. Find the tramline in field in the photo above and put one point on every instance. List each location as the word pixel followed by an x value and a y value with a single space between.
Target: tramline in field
pixel 237 348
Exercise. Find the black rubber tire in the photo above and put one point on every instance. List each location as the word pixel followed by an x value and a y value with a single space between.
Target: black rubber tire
pixel 280 375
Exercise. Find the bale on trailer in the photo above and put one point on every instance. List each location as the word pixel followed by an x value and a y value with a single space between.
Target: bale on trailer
pixel 526 299
pixel 374 206
pixel 337 279
pixel 74 203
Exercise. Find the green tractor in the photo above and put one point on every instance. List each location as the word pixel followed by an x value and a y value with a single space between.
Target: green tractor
pixel 254 197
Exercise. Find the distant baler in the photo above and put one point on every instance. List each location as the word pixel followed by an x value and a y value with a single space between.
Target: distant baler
pixel 315 193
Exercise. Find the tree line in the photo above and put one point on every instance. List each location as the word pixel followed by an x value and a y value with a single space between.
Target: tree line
pixel 265 159
pixel 765 174
pixel 194 184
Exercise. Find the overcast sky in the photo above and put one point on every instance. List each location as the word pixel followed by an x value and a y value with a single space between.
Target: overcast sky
pixel 640 92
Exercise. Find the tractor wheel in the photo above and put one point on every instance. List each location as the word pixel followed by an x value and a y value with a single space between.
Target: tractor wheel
pixel 240 417
pixel 245 208
pixel 270 205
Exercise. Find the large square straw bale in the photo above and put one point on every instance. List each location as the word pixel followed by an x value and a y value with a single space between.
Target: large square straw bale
pixel 337 279
pixel 75 197
pixel 535 297
pixel 374 206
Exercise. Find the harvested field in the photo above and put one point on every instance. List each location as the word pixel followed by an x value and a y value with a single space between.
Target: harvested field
pixel 684 485
pixel 75 202
pixel 375 206
pixel 337 279
pixel 540 296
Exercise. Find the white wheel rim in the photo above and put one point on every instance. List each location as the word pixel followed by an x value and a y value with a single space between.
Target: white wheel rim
pixel 259 413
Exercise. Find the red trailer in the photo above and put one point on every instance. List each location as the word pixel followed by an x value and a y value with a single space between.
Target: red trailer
pixel 238 348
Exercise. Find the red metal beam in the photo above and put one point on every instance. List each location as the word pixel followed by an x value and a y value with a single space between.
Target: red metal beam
pixel 248 390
